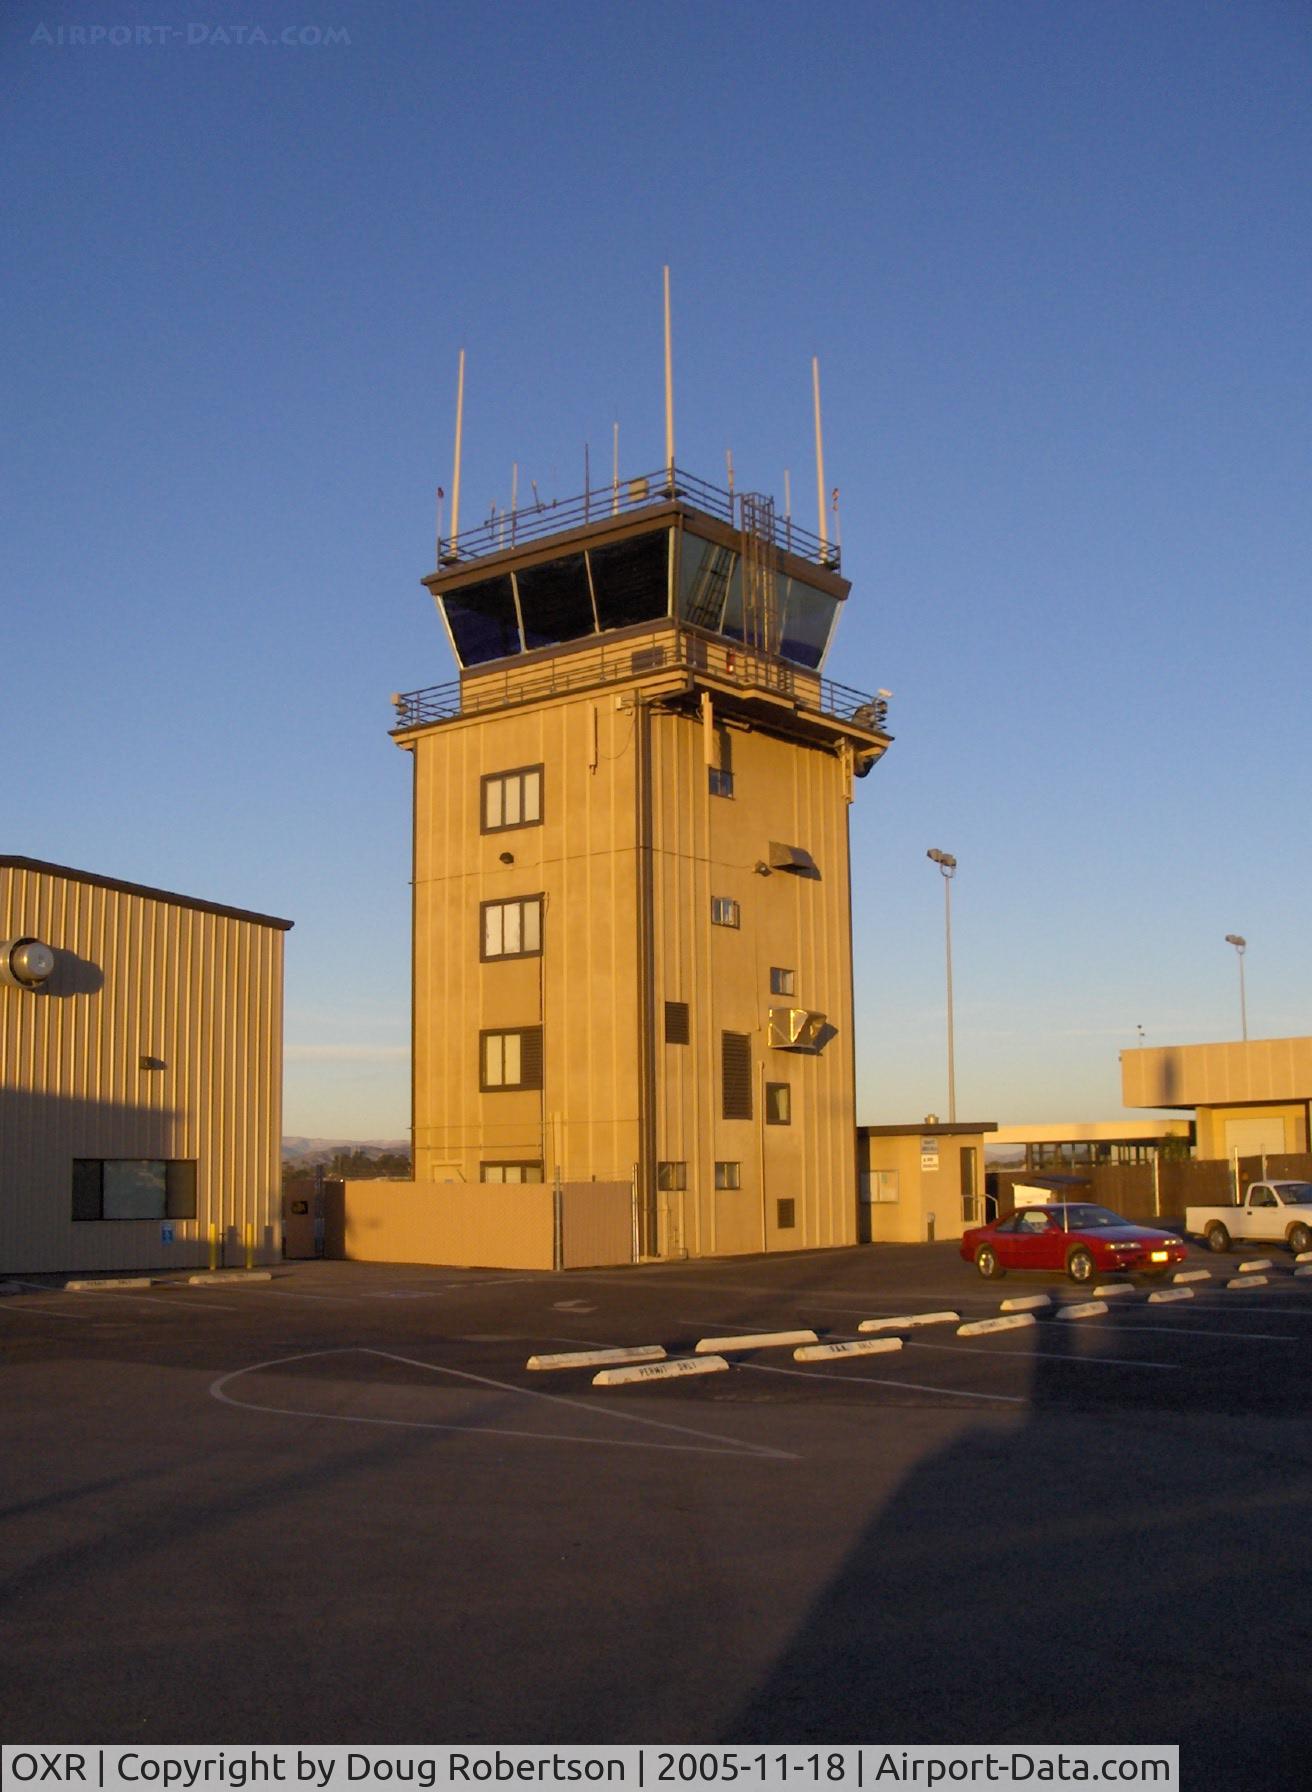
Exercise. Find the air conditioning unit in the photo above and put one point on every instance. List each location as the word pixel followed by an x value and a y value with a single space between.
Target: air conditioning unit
pixel 797 1029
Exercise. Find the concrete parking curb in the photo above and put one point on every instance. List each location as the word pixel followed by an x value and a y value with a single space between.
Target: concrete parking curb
pixel 683 1365
pixel 1085 1309
pixel 1161 1295
pixel 814 1353
pixel 907 1321
pixel 591 1359
pixel 228 1278
pixel 1025 1303
pixel 753 1341
pixel 109 1282
pixel 1010 1323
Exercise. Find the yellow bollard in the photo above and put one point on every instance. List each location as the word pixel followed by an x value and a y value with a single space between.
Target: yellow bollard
pixel 214 1248
pixel 250 1247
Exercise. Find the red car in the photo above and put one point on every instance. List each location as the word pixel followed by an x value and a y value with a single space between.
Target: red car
pixel 1074 1237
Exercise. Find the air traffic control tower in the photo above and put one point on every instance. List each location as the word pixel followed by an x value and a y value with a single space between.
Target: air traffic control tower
pixel 632 896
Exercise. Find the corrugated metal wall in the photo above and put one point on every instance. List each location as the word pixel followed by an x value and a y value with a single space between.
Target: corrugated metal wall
pixel 138 977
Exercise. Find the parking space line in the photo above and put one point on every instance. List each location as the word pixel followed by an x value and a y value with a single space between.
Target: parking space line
pixel 712 1443
pixel 878 1381
pixel 1076 1358
pixel 13 1310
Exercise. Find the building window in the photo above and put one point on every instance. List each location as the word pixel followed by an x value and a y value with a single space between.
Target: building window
pixel 672 1175
pixel 778 1104
pixel 785 1214
pixel 782 982
pixel 134 1188
pixel 736 1076
pixel 724 911
pixel 720 783
pixel 676 1023
pixel 511 1060
pixel 512 799
pixel 511 929
pixel 728 1175
pixel 513 1171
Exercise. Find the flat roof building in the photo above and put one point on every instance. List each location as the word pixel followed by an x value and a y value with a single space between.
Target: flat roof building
pixel 140 1074
pixel 1251 1097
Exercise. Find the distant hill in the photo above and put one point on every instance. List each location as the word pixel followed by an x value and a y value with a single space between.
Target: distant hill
pixel 302 1153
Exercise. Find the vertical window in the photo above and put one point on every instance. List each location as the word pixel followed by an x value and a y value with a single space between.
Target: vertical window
pixel 720 783
pixel 516 1170
pixel 512 799
pixel 676 1023
pixel 724 911
pixel 672 1175
pixel 728 1175
pixel 782 982
pixel 778 1104
pixel 736 1076
pixel 511 929
pixel 511 1060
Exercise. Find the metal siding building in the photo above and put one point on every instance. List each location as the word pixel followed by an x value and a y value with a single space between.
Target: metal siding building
pixel 150 1059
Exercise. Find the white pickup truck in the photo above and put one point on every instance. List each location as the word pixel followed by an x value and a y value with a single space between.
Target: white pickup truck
pixel 1270 1211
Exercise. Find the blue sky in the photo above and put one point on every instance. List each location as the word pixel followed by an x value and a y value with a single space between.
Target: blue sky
pixel 1055 261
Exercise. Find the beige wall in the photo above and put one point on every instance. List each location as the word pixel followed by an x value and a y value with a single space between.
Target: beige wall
pixel 137 975
pixel 627 929
pixel 1186 1076
pixel 921 1192
pixel 509 1226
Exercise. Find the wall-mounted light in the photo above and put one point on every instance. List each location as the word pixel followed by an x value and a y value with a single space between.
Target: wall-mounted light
pixel 25 963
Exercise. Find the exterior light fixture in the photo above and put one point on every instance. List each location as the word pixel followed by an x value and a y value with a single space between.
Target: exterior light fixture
pixel 25 963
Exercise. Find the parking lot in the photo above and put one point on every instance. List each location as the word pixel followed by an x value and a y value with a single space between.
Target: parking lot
pixel 337 1506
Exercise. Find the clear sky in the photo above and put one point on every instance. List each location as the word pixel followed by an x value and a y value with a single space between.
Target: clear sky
pixel 1055 260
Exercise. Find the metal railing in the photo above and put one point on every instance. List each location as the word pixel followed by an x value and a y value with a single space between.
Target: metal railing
pixel 637 656
pixel 506 529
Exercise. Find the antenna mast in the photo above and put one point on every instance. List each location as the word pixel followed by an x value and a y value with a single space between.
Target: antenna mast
pixel 669 387
pixel 455 477
pixel 819 458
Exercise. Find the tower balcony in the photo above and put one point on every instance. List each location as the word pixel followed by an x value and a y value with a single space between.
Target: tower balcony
pixel 672 663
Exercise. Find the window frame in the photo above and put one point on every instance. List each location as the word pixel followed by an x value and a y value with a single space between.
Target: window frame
pixel 511 1163
pixel 725 912
pixel 719 782
pixel 519 773
pixel 786 1118
pixel 521 1033
pixel 783 980
pixel 728 1173
pixel 522 903
pixel 179 1191
pixel 672 1175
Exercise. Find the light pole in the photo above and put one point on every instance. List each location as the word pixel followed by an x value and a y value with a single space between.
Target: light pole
pixel 1238 941
pixel 948 866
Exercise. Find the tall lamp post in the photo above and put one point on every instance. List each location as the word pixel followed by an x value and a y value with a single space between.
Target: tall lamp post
pixel 948 866
pixel 1238 941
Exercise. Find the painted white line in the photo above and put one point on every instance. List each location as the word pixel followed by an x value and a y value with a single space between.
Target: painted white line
pixel 29 1310
pixel 678 1367
pixel 109 1282
pixel 712 1443
pixel 585 1359
pixel 814 1353
pixel 1192 1275
pixel 1052 1356
pixel 879 1381
pixel 908 1321
pixel 1248 1282
pixel 1181 1330
pixel 1113 1288
pixel 1085 1309
pixel 1253 1265
pixel 752 1341
pixel 1160 1296
pixel 1013 1320
pixel 1025 1303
